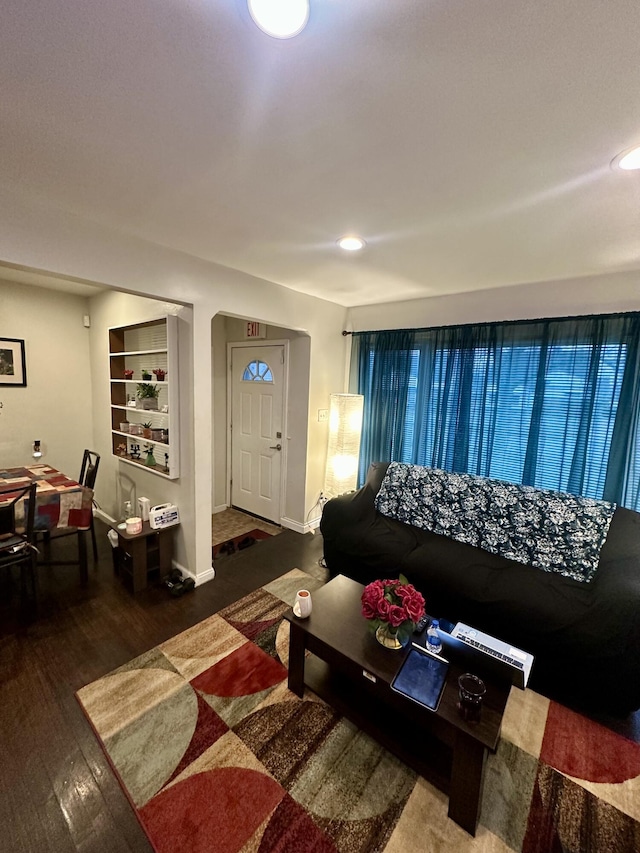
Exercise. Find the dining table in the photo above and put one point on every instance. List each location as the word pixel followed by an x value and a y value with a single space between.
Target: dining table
pixel 61 502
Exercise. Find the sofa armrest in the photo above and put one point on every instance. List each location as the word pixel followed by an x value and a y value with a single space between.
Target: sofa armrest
pixel 347 510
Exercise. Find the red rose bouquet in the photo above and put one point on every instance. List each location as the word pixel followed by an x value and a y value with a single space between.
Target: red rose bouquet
pixel 395 606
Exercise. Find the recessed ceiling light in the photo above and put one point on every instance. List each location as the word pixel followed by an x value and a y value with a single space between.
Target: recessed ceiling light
pixel 281 19
pixel 351 243
pixel 629 159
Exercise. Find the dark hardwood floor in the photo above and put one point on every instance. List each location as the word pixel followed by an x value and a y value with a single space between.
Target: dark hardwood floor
pixel 58 792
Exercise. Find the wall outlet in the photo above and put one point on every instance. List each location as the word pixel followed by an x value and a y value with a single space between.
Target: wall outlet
pixel 323 415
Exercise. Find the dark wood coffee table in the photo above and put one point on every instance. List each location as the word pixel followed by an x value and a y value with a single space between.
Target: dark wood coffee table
pixel 350 670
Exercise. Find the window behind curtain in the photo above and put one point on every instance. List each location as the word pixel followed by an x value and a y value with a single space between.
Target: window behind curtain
pixel 536 403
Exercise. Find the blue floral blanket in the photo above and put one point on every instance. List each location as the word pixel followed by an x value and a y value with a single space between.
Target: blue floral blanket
pixel 553 531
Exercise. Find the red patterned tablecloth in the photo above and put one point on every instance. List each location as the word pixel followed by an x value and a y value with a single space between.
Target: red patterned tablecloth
pixel 60 501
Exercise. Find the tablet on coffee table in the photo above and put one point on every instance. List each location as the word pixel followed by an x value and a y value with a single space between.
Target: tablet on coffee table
pixel 421 678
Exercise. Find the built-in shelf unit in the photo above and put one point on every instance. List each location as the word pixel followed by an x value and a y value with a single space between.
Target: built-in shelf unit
pixel 150 346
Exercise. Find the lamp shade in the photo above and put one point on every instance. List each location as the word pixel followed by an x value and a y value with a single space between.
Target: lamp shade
pixel 345 428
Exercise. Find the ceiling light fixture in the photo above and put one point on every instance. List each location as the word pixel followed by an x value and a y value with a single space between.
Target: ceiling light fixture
pixel 281 19
pixel 351 243
pixel 629 159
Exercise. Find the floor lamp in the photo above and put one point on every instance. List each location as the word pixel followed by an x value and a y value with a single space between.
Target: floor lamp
pixel 345 428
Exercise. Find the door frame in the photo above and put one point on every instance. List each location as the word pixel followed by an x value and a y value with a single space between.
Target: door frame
pixel 252 343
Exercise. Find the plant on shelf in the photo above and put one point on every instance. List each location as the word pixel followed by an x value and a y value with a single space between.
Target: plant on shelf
pixel 148 395
pixel 128 374
pixel 159 373
pixel 146 375
pixel 150 460
pixel 146 429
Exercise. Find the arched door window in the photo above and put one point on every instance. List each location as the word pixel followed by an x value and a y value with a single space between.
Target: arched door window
pixel 257 371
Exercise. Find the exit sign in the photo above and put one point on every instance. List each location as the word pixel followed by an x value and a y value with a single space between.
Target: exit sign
pixel 255 330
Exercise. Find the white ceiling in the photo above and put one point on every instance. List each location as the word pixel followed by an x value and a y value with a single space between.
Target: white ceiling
pixel 468 142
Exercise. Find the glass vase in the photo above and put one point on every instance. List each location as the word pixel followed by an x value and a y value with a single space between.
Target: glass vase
pixel 388 637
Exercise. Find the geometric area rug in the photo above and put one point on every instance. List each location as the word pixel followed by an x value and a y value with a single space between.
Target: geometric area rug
pixel 215 754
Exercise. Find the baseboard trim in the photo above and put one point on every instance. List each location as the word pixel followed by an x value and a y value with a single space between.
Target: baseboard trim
pixel 297 527
pixel 219 508
pixel 209 575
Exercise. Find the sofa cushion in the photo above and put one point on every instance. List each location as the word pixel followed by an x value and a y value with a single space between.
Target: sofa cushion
pixel 550 530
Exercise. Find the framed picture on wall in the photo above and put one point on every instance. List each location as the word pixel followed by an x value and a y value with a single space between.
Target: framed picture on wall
pixel 13 367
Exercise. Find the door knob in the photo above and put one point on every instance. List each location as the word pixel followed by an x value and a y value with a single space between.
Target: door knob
pixel 275 447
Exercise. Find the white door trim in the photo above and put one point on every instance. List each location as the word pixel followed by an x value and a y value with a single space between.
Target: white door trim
pixel 252 343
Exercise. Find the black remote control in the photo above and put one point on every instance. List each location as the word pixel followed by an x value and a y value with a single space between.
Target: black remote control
pixel 421 624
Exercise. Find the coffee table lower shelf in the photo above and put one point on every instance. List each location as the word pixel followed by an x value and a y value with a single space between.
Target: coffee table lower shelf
pixel 408 741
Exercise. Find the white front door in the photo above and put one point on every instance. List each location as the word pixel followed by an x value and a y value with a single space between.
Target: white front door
pixel 257 400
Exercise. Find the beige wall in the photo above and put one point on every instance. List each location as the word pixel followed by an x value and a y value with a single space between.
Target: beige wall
pixel 55 406
pixel 594 295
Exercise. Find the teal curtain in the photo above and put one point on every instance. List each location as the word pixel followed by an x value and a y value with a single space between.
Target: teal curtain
pixel 550 403
pixel 386 378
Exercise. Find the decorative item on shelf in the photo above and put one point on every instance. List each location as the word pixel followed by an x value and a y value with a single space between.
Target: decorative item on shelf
pixel 393 607
pixel 133 525
pixel 121 450
pixel 160 374
pixel 166 463
pixel 124 426
pixel 146 376
pixel 156 434
pixel 127 512
pixel 135 451
pixel 144 504
pixel 128 374
pixel 150 460
pixel 148 395
pixel 146 429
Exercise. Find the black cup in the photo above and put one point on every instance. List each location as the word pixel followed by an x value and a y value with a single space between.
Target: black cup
pixel 471 690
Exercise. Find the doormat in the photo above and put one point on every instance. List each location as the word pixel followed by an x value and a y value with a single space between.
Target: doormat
pixel 240 542
pixel 231 522
pixel 215 753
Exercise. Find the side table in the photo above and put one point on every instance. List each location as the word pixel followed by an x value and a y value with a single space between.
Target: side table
pixel 138 554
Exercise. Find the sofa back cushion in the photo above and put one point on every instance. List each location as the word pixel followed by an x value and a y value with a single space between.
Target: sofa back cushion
pixel 553 531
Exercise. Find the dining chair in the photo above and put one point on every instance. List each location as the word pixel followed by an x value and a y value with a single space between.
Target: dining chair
pixel 17 537
pixel 88 475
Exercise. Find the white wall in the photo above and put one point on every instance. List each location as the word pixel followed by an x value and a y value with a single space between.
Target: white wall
pixel 55 406
pixel 572 297
pixel 58 242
